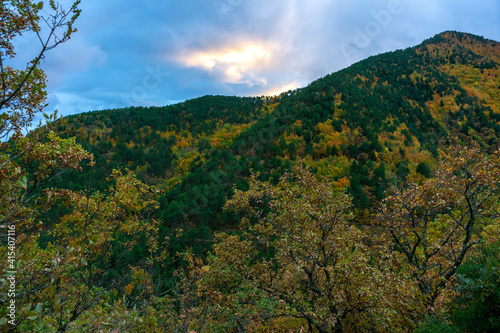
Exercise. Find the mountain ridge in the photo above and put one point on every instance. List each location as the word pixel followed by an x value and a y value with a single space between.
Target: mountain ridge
pixel 383 119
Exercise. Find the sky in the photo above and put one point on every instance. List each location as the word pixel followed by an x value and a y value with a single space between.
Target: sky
pixel 160 52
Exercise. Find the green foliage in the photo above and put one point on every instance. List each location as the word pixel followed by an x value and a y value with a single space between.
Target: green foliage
pixel 424 169
pixel 477 308
pixel 433 324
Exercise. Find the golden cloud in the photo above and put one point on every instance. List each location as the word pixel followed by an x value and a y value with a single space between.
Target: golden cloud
pixel 233 65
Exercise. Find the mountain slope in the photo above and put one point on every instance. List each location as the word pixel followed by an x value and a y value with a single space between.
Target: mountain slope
pixel 380 120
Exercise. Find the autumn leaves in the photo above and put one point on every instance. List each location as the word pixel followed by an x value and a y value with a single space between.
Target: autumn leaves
pixel 299 250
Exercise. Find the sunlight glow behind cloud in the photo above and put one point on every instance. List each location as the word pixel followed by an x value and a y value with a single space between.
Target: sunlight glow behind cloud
pixel 276 91
pixel 235 65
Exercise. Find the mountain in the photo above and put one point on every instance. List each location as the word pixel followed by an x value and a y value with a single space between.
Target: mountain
pixel 381 120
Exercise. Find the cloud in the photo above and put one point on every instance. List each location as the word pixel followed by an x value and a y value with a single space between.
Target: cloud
pixel 232 64
pixel 78 56
pixel 236 47
pixel 74 101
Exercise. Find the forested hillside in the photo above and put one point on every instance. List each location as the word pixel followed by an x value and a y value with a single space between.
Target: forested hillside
pixel 364 202
pixel 383 119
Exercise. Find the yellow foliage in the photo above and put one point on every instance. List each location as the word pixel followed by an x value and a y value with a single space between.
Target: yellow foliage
pixel 129 288
pixel 342 183
pixel 223 137
pixel 484 85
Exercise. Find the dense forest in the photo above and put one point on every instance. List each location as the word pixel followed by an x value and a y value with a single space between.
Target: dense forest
pixel 366 201
pixel 385 118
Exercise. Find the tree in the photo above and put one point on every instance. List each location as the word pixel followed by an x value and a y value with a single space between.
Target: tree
pixel 22 91
pixel 28 162
pixel 359 197
pixel 23 199
pixel 90 242
pixel 299 262
pixel 477 307
pixel 66 274
pixel 437 225
pixel 424 169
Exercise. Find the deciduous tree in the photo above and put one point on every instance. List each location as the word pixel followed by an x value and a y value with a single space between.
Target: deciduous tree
pixel 22 90
pixel 300 262
pixel 57 282
pixel 437 224
pixel 91 241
